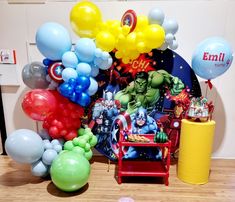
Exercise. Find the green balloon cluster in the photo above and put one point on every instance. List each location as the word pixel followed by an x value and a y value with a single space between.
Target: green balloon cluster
pixel 70 171
pixel 82 144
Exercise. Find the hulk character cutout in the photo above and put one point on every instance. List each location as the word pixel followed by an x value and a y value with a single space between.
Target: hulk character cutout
pixel 144 91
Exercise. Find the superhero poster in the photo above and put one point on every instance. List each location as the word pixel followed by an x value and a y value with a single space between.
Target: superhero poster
pixel 136 96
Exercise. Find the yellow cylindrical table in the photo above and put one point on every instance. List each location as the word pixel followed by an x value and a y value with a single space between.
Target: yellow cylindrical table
pixel 195 148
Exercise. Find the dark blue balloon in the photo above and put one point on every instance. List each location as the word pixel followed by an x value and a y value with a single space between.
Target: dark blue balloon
pixel 84 82
pixel 73 97
pixel 65 89
pixel 47 62
pixel 72 82
pixel 83 99
pixel 79 89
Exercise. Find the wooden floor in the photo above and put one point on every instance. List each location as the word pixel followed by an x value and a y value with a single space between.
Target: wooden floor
pixel 17 184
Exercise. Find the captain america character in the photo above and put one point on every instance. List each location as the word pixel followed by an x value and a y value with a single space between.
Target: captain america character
pixel 143 124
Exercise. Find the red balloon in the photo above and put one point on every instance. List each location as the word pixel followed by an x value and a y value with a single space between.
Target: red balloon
pixel 39 103
pixel 71 135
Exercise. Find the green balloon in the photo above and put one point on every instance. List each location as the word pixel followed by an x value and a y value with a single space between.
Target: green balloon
pixel 68 145
pixel 81 131
pixel 87 147
pixel 93 141
pixel 75 141
pixel 79 150
pixel 87 130
pixel 82 142
pixel 70 171
pixel 88 154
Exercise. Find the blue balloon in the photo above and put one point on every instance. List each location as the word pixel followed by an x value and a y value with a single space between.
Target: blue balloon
pixel 212 57
pixel 24 146
pixel 69 73
pixel 48 156
pixel 83 69
pixel 47 62
pixel 69 59
pixel 39 169
pixel 93 87
pixel 84 82
pixel 83 99
pixel 74 96
pixel 53 40
pixel 72 81
pixel 170 26
pixel 65 89
pixel 85 49
pixel 156 16
pixel 94 70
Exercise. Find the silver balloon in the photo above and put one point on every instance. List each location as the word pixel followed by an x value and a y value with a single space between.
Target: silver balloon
pixel 34 75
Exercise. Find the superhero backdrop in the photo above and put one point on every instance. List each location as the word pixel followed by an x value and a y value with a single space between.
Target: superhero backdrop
pixel 135 96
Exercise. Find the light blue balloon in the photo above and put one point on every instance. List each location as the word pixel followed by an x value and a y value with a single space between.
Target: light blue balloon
pixel 103 64
pixel 93 87
pixel 47 145
pixel 98 52
pixel 212 57
pixel 83 69
pixel 53 40
pixel 173 45
pixel 85 49
pixel 57 148
pixel 69 73
pixel 69 59
pixel 164 46
pixel 48 156
pixel 94 71
pixel 105 55
pixel 39 169
pixel 169 38
pixel 170 26
pixel 24 146
pixel 156 16
pixel 55 142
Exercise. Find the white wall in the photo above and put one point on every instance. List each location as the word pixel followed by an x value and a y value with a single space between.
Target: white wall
pixel 197 21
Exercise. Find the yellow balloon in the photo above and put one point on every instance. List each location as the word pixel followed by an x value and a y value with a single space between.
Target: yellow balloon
pixel 105 41
pixel 84 17
pixel 131 41
pixel 121 41
pixel 154 36
pixel 118 54
pixel 142 22
pixel 125 29
pixel 141 47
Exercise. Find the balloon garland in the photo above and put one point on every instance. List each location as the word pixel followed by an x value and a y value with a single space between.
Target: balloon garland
pixel 63 83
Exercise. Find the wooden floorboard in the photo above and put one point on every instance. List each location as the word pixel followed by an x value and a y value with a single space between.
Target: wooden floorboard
pixel 17 184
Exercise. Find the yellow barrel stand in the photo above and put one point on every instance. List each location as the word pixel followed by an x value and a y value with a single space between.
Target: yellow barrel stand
pixel 195 148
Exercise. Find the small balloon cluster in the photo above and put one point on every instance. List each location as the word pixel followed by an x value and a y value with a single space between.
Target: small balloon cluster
pixel 61 118
pixel 129 37
pixel 65 121
pixel 82 144
pixel 41 167
pixel 69 67
pixel 47 157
